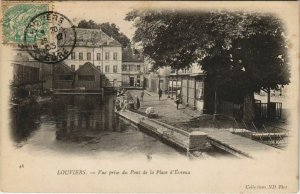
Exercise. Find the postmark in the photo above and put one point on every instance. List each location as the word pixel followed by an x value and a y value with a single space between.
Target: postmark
pixel 50 37
pixel 16 16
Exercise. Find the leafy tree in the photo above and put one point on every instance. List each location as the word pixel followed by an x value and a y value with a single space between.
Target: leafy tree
pixel 110 29
pixel 241 53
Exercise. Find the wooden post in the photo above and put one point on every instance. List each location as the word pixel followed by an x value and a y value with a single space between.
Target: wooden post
pixel 172 87
pixel 176 81
pixel 203 93
pixel 268 104
pixel 215 106
pixel 187 90
pixel 195 93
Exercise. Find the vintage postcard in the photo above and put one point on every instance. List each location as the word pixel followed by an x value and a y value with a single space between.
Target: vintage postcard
pixel 149 96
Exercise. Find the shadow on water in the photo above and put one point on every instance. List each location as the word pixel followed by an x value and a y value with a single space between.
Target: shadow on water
pixel 81 122
pixel 74 115
pixel 24 121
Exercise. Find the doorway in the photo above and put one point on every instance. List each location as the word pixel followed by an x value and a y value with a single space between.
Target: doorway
pixel 131 81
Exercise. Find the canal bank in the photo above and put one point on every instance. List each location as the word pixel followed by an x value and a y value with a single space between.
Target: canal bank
pixel 87 125
pixel 191 121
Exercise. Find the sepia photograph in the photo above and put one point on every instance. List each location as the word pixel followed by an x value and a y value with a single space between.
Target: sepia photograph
pixel 109 96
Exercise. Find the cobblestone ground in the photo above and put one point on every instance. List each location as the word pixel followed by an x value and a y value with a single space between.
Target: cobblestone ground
pixel 184 117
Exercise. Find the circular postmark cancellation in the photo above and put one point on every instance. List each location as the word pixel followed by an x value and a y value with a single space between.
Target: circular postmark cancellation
pixel 50 37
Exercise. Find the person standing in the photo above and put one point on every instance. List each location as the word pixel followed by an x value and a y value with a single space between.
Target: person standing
pixel 138 104
pixel 178 101
pixel 142 96
pixel 159 93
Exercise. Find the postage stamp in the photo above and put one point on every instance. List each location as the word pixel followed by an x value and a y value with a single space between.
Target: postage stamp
pixel 16 17
pixel 50 37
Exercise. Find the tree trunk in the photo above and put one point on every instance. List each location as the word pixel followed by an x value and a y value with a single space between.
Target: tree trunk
pixel 215 106
pixel 269 104
pixel 248 113
pixel 269 95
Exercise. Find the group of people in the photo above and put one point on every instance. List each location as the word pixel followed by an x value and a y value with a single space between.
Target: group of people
pixel 125 101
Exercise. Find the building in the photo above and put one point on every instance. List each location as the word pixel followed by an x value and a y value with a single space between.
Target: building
pixel 189 83
pixel 27 71
pixel 88 77
pixel 63 77
pixel 28 76
pixel 158 79
pixel 97 48
pixel 191 89
pixel 133 69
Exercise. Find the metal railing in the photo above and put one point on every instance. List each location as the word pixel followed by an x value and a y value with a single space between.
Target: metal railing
pixel 272 110
pixel 267 134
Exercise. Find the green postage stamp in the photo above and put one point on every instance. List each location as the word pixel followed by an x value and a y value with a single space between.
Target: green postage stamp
pixel 16 17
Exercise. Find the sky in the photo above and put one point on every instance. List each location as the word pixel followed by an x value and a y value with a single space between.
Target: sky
pixel 113 12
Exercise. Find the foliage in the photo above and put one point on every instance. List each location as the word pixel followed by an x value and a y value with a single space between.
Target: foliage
pixel 240 52
pixel 110 29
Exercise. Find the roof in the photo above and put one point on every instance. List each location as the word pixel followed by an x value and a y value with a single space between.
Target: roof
pixel 89 38
pixel 129 56
pixel 65 65
pixel 91 65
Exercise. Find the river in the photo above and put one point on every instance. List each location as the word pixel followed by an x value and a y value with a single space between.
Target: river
pixel 84 125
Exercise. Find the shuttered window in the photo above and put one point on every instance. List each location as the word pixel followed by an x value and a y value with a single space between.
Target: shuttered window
pixel 115 68
pixel 88 56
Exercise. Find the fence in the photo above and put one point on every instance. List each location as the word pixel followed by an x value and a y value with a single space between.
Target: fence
pixel 230 109
pixel 267 134
pixel 270 110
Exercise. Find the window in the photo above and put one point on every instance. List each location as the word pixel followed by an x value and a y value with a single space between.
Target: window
pixel 80 56
pixel 115 56
pixel 64 77
pixel 107 68
pixel 98 67
pixel 73 67
pixel 88 56
pixel 199 89
pixel 106 55
pixel 73 55
pixel 131 67
pixel 124 68
pixel 115 68
pixel 138 76
pixel 98 56
pixel 138 67
pixel 86 77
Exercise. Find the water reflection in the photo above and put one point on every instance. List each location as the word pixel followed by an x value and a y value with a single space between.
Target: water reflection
pixel 81 123
pixel 77 116
pixel 24 121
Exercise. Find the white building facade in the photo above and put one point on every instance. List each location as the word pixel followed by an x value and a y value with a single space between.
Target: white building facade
pixel 105 53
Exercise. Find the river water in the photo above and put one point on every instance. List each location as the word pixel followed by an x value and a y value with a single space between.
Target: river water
pixel 84 125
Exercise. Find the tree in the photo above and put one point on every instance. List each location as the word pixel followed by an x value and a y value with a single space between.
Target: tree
pixel 241 53
pixel 110 29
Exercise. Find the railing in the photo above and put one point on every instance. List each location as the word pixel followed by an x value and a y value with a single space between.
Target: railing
pixel 270 135
pixel 270 110
pixel 267 134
